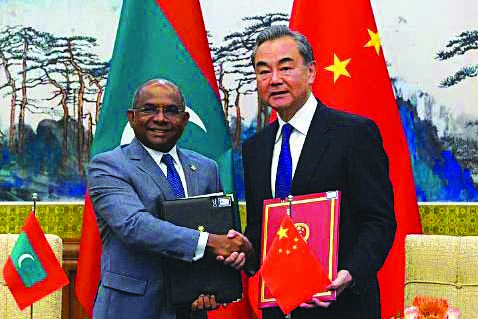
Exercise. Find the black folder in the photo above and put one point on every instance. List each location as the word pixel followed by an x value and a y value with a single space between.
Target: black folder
pixel 186 281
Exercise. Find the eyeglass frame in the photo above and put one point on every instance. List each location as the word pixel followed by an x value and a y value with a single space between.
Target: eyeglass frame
pixel 157 110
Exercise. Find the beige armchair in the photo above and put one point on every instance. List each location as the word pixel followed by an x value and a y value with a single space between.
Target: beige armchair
pixel 47 308
pixel 443 266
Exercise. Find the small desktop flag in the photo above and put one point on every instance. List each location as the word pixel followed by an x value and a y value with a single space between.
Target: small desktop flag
pixel 291 271
pixel 32 270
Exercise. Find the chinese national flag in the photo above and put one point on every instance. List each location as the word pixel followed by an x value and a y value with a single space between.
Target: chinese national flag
pixel 32 270
pixel 352 76
pixel 290 270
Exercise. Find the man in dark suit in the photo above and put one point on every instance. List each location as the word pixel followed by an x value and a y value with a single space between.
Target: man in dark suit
pixel 126 185
pixel 310 149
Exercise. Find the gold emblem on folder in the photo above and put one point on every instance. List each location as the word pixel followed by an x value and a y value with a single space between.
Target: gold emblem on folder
pixel 303 230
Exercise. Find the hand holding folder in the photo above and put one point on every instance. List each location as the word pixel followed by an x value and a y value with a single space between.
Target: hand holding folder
pixel 316 218
pixel 290 270
pixel 188 280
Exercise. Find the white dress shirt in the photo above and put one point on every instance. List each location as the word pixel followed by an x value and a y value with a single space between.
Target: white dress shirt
pixel 300 123
pixel 157 156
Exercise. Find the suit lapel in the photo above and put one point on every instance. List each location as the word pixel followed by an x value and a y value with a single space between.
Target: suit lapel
pixel 265 142
pixel 316 142
pixel 144 162
pixel 191 169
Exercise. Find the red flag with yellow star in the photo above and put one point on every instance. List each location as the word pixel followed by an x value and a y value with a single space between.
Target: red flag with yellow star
pixel 352 76
pixel 291 271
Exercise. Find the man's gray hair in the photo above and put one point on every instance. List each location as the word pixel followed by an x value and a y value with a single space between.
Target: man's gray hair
pixel 280 31
pixel 158 81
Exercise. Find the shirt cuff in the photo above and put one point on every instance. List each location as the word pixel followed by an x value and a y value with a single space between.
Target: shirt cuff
pixel 201 247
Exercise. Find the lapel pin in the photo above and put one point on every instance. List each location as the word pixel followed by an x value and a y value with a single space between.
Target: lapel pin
pixel 193 167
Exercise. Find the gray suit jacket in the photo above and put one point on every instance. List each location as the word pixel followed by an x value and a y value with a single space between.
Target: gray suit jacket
pixel 125 186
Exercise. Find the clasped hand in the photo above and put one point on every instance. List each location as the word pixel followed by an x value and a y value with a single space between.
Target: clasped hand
pixel 232 249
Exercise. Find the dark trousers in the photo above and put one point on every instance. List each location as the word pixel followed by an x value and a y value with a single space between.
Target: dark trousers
pixel 186 313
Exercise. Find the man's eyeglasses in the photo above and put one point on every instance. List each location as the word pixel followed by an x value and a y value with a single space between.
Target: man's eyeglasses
pixel 170 111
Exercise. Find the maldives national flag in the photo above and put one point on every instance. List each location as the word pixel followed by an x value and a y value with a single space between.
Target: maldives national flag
pixel 352 76
pixel 166 39
pixel 32 270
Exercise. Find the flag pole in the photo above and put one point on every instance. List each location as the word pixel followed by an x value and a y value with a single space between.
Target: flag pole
pixel 34 197
pixel 34 207
pixel 290 198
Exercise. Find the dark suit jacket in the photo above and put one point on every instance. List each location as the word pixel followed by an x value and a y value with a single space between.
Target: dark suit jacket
pixel 341 152
pixel 126 186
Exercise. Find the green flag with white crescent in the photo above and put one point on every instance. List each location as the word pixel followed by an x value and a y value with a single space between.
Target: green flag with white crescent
pixel 32 270
pixel 26 262
pixel 160 39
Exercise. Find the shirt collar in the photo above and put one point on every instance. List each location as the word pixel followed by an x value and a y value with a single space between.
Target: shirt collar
pixel 158 155
pixel 301 119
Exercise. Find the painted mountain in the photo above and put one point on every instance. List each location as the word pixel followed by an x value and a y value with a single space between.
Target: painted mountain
pixel 444 147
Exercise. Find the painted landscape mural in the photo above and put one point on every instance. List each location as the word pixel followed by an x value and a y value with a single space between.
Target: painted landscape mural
pixel 53 73
pixel 53 76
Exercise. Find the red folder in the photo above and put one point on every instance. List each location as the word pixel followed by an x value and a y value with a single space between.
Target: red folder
pixel 316 217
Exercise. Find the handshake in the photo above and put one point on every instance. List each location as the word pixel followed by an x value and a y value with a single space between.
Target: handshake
pixel 233 249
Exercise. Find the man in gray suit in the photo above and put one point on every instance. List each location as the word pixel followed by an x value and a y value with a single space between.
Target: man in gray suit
pixel 126 185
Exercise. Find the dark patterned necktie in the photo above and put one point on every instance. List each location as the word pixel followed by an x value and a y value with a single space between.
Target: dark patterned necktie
pixel 284 167
pixel 173 176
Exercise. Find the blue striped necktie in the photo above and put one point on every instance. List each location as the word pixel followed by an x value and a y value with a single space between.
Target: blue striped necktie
pixel 284 167
pixel 173 176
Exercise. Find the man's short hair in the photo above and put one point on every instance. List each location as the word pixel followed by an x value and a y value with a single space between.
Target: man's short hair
pixel 158 81
pixel 279 31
